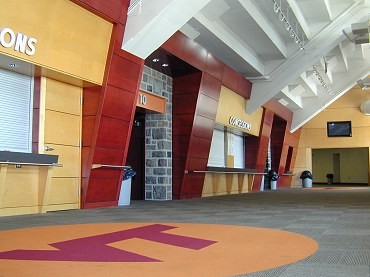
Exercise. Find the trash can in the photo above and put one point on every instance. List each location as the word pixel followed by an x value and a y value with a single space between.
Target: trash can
pixel 330 177
pixel 125 193
pixel 306 177
pixel 273 177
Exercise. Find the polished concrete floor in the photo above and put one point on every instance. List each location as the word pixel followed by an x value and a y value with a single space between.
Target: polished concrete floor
pixel 338 218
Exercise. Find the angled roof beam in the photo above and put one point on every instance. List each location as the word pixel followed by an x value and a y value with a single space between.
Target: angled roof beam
pixel 264 24
pixel 293 95
pixel 325 65
pixel 226 36
pixel 300 17
pixel 328 9
pixel 155 22
pixel 341 85
pixel 310 83
pixel 345 49
pixel 323 42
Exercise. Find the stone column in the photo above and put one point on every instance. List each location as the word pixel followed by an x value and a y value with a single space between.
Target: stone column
pixel 158 138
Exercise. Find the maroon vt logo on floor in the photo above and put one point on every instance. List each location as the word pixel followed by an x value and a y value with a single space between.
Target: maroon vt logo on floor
pixel 95 248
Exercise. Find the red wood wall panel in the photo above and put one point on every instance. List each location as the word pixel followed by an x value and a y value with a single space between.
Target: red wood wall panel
pixel 111 133
pixel 92 100
pixel 88 125
pixel 251 151
pixel 105 173
pixel 267 119
pixel 183 109
pixel 108 111
pixel 210 86
pixel 101 190
pixel 185 103
pixel 207 106
pixel 183 125
pixel 201 136
pixel 194 54
pixel 203 126
pixel 194 186
pixel 190 52
pixel 36 114
pixel 277 142
pixel 199 147
pixel 122 73
pixel 236 82
pixel 118 103
pixel 197 164
pixel 113 10
pixel 214 67
pixel 279 110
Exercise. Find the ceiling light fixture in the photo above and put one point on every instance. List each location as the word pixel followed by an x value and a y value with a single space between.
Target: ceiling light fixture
pixel 288 26
pixel 321 80
pixel 165 64
pixel 155 60
pixel 13 65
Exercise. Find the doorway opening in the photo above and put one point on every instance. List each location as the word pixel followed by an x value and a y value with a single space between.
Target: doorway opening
pixel 136 156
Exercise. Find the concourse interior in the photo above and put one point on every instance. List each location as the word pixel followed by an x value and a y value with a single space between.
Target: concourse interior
pixel 171 137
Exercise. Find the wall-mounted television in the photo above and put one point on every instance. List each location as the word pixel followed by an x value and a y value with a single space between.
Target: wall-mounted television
pixel 339 129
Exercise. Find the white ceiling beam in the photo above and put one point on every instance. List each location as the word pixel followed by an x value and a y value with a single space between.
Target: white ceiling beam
pixel 155 22
pixel 300 17
pixel 237 45
pixel 292 68
pixel 346 48
pixel 328 9
pixel 293 96
pixel 327 71
pixel 264 24
pixel 342 83
pixel 310 83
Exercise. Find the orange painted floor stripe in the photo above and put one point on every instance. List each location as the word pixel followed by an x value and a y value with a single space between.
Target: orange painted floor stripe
pixel 179 249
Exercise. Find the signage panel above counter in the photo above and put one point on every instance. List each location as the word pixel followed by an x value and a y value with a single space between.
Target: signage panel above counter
pixel 231 113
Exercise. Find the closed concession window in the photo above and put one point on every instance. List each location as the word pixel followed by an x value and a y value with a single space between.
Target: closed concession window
pixel 217 152
pixel 16 91
pixel 239 151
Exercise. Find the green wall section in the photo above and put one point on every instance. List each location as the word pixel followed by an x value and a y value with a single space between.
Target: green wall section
pixel 352 165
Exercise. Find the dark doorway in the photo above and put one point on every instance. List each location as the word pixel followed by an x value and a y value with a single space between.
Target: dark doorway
pixel 136 157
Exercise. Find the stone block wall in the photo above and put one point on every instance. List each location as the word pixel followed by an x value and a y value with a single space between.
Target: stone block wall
pixel 158 138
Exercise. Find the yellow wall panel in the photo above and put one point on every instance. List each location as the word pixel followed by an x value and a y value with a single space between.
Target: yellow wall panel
pixel 232 104
pixel 68 155
pixel 64 191
pixel 343 115
pixel 224 183
pixel 22 187
pixel 62 132
pixel 314 136
pixel 63 97
pixel 62 128
pixel 70 39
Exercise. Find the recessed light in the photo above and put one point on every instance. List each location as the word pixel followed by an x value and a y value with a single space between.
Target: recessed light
pixel 155 60
pixel 13 65
pixel 165 64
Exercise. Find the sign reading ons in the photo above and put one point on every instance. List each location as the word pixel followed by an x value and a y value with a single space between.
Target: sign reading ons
pixel 20 42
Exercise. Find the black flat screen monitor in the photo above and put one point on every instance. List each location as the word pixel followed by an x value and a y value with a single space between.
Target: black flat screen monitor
pixel 339 129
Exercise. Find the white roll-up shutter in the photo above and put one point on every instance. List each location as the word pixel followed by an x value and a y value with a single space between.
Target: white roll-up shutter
pixel 217 152
pixel 16 93
pixel 239 151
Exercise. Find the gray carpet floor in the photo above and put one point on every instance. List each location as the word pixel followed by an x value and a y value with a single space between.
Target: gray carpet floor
pixel 339 220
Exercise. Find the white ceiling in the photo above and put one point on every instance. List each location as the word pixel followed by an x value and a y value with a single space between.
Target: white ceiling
pixel 249 36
